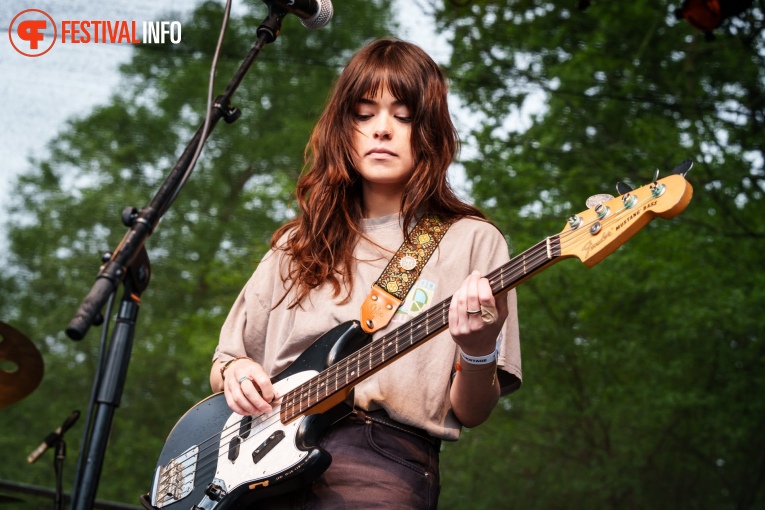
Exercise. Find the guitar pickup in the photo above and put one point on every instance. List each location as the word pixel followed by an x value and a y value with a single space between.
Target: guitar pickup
pixel 244 431
pixel 233 449
pixel 245 426
pixel 268 445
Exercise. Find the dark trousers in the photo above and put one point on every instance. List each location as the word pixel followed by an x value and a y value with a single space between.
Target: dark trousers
pixel 373 466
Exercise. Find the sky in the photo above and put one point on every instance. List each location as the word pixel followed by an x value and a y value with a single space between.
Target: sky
pixel 40 94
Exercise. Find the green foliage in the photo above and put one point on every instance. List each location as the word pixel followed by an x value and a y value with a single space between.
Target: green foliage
pixel 642 375
pixel 67 213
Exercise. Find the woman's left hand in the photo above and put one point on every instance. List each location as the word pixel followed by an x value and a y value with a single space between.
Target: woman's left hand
pixel 472 324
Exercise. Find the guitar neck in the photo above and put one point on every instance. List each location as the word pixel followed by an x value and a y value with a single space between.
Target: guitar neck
pixel 340 377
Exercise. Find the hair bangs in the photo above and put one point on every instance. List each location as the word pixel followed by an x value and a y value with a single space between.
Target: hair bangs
pixel 388 67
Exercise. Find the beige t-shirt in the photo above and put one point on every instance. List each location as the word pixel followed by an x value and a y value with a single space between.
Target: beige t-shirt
pixel 414 389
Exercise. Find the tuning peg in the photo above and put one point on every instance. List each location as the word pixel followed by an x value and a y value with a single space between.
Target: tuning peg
pixel 623 188
pixel 684 167
pixel 656 176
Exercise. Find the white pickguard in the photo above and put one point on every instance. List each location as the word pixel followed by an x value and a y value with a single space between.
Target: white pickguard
pixel 281 459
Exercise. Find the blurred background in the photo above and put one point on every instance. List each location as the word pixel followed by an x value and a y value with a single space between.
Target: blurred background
pixel 643 376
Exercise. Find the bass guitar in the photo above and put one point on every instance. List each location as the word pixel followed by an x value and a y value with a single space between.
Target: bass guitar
pixel 214 458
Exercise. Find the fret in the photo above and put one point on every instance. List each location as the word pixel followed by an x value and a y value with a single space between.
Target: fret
pixel 388 347
pixel 285 406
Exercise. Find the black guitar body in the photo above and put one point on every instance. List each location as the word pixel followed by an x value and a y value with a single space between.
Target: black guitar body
pixel 214 458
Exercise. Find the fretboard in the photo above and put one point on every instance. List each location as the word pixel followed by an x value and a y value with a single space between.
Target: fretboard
pixel 391 346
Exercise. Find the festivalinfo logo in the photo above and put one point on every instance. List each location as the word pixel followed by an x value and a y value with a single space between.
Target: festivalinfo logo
pixel 33 32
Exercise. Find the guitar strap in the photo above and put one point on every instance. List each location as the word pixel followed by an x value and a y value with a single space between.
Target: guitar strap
pixel 402 271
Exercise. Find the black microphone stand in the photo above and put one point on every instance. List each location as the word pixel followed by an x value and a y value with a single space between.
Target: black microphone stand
pixel 58 468
pixel 129 264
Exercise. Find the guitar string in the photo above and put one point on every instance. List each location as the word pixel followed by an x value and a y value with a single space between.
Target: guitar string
pixel 211 459
pixel 377 348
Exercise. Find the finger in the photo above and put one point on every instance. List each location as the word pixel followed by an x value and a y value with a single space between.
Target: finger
pixel 489 313
pixel 462 319
pixel 243 391
pixel 233 402
pixel 454 315
pixel 473 299
pixel 260 392
pixel 485 295
pixel 253 400
pixel 263 385
pixel 457 317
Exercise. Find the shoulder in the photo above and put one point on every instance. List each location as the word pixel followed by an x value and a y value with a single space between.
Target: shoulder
pixel 477 230
pixel 274 263
pixel 476 243
pixel 280 245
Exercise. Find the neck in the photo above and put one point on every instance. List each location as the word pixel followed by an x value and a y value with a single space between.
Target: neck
pixel 381 200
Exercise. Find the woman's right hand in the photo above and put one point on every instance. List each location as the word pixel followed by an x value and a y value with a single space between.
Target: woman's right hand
pixel 248 389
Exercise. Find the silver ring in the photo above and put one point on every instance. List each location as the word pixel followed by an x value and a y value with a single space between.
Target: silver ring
pixel 242 379
pixel 473 312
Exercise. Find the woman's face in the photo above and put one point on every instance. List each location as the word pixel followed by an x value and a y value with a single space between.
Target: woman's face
pixel 382 142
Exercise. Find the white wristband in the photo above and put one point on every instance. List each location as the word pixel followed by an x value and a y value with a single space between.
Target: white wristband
pixel 480 360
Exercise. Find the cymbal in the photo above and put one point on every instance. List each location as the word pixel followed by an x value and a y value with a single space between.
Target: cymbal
pixel 21 365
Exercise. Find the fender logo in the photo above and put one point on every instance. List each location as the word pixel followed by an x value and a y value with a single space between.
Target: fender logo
pixel 590 246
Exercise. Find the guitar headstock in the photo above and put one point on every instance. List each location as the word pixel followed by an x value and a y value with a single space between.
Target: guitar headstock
pixel 595 233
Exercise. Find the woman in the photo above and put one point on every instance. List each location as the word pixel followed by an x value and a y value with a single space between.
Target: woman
pixel 377 160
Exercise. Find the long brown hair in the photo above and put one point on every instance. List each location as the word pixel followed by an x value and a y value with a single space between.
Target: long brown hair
pixel 321 240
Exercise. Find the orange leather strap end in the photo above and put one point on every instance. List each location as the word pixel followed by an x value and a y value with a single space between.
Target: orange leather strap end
pixel 377 309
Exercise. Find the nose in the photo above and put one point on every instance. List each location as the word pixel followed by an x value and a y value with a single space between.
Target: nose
pixel 382 129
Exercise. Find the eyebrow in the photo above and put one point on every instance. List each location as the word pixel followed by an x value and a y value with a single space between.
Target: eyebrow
pixel 366 100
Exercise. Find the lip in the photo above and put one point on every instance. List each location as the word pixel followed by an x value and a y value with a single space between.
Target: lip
pixel 381 151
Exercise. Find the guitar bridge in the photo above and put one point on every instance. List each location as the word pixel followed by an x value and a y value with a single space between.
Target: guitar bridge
pixel 175 481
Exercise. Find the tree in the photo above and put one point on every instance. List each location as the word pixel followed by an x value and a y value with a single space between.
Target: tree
pixel 68 209
pixel 641 374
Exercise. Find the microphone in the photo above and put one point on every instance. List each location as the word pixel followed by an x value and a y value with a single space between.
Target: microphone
pixel 53 438
pixel 312 13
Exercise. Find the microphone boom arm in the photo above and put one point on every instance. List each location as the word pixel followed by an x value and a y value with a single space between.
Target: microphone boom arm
pixel 142 223
pixel 130 260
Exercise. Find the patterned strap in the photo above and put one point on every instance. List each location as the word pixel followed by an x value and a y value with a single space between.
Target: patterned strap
pixel 402 272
